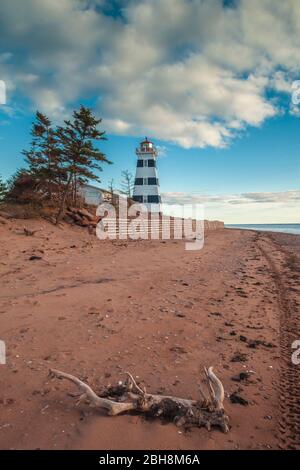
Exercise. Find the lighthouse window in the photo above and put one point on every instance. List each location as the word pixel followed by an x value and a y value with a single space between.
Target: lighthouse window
pixel 138 181
pixel 152 181
pixel 140 163
pixel 138 198
pixel 151 163
pixel 153 199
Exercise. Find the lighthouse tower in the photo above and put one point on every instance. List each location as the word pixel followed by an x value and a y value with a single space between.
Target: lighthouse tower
pixel 146 185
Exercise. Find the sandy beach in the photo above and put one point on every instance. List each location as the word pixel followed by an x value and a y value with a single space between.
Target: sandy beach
pixel 96 309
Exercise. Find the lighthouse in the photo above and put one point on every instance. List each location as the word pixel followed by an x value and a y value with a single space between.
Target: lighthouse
pixel 146 185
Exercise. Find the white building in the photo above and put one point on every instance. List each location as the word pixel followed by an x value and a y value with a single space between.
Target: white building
pixel 91 194
pixel 146 185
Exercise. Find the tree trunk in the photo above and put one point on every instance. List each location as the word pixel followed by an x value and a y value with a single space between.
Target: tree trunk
pixel 75 189
pixel 63 201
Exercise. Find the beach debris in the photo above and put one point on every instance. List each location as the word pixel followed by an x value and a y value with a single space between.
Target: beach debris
pixel 29 233
pixel 180 315
pixel 253 343
pixel 208 411
pixel 178 349
pixel 34 258
pixel 258 342
pixel 241 376
pixel 243 338
pixel 235 398
pixel 239 357
pixel 81 217
pixel 85 213
pixel 222 338
pixel 94 311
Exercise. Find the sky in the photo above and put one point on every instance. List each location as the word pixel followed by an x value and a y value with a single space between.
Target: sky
pixel 210 82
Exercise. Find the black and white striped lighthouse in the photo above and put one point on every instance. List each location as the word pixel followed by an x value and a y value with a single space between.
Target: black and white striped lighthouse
pixel 146 185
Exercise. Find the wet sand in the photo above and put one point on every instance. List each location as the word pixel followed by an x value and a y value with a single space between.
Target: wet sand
pixel 96 309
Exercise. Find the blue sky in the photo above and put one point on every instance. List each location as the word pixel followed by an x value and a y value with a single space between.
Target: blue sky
pixel 212 88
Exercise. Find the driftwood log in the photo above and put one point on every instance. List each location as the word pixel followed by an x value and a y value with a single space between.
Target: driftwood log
pixel 129 396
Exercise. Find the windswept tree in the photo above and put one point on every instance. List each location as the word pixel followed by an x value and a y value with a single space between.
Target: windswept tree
pixel 79 156
pixel 43 158
pixel 127 183
pixel 22 187
pixel 59 160
pixel 3 189
pixel 20 173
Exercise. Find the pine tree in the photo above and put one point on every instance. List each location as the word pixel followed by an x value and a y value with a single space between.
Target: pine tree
pixel 127 183
pixel 79 155
pixel 3 189
pixel 21 187
pixel 13 180
pixel 43 158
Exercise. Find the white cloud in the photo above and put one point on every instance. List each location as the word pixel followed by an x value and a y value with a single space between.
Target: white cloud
pixel 162 151
pixel 258 207
pixel 292 196
pixel 184 71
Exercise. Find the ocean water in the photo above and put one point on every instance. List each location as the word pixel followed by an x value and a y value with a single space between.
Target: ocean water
pixel 284 228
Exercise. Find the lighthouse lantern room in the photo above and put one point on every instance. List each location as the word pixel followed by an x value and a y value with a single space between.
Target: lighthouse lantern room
pixel 146 186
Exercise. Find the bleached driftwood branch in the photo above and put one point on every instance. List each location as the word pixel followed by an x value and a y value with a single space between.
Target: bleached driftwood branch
pixel 129 396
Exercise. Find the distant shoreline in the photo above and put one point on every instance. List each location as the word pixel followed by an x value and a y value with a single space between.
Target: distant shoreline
pixel 288 229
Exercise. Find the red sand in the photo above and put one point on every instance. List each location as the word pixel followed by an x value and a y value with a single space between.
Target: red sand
pixel 95 309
